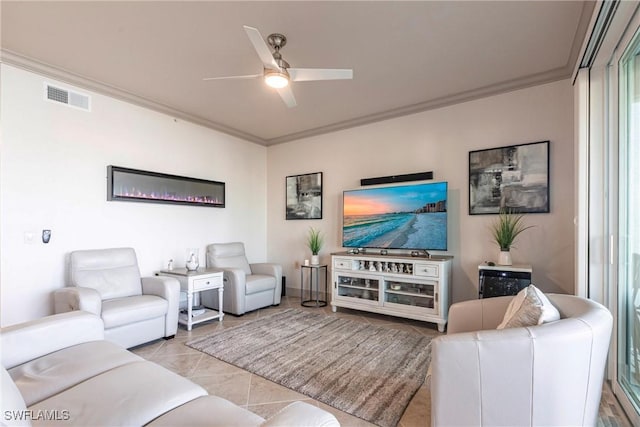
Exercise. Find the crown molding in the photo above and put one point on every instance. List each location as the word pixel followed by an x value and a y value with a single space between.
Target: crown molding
pixel 38 67
pixel 560 73
pixel 71 78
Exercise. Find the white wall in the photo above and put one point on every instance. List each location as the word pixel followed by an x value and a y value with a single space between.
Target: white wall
pixel 53 176
pixel 439 141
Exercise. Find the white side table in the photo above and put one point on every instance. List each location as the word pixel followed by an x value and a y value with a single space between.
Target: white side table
pixel 192 283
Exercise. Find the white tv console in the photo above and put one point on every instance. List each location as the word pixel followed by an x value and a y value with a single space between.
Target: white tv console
pixel 397 285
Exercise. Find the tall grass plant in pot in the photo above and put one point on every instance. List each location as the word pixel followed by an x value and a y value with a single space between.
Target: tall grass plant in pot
pixel 505 229
pixel 315 240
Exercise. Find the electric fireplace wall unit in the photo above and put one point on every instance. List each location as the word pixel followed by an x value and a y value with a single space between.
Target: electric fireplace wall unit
pixel 132 185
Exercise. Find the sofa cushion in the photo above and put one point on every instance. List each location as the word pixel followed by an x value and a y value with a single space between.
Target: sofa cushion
pixel 530 307
pixel 41 378
pixel 122 311
pixel 47 335
pixel 12 404
pixel 224 414
pixel 260 283
pixel 128 395
pixel 312 416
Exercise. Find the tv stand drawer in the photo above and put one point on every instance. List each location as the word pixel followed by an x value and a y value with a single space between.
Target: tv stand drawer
pixel 343 264
pixel 426 270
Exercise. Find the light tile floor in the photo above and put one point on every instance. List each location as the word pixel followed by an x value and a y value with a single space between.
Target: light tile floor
pixel 265 397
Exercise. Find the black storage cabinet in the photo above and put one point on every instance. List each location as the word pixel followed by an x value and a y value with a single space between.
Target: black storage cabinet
pixel 497 281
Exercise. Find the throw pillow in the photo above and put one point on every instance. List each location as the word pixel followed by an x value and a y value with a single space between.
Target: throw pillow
pixel 529 308
pixel 549 312
pixel 524 310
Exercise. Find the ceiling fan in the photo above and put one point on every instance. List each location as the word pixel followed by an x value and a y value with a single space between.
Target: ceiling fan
pixel 277 72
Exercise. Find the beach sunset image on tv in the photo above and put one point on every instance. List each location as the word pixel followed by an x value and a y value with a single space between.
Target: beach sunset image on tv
pixel 397 217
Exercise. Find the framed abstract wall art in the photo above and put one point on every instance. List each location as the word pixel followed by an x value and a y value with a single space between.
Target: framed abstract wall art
pixel 514 178
pixel 304 196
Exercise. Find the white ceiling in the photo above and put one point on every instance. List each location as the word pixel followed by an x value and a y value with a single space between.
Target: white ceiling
pixel 406 56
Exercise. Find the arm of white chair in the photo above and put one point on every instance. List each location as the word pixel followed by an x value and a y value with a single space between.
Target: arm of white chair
pixel 235 286
pixel 77 298
pixel 495 363
pixel 169 289
pixel 476 315
pixel 302 414
pixel 270 269
pixel 30 340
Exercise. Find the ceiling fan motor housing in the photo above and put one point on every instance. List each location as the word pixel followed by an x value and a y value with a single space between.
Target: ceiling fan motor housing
pixel 277 41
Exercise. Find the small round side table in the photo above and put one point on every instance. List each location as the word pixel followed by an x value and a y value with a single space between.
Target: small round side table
pixel 313 302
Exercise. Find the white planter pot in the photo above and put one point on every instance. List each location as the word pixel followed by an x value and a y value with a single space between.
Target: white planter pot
pixel 315 260
pixel 504 258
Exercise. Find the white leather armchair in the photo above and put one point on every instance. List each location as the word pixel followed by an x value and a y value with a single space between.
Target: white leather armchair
pixel 546 375
pixel 134 309
pixel 247 287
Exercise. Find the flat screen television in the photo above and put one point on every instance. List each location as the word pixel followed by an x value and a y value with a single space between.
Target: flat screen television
pixel 396 217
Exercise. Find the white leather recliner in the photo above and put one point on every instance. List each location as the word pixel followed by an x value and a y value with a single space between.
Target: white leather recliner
pixel 134 309
pixel 546 375
pixel 247 287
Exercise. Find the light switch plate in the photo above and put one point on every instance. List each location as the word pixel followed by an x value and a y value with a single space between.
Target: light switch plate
pixel 29 237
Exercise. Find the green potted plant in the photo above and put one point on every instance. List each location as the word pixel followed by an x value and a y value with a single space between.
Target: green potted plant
pixel 505 230
pixel 315 241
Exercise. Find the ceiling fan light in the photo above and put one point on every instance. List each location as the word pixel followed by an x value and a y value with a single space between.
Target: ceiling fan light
pixel 276 79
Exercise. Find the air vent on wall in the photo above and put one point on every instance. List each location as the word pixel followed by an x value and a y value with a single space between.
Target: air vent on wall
pixel 68 97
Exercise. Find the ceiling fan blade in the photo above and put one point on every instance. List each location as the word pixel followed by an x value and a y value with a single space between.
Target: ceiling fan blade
pixel 287 96
pixel 309 74
pixel 251 76
pixel 261 48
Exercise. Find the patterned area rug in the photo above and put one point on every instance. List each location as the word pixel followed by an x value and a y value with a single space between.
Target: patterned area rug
pixel 368 371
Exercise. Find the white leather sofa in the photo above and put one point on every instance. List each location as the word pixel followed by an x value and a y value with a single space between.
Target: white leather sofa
pixel 107 283
pixel 546 375
pixel 247 287
pixel 60 371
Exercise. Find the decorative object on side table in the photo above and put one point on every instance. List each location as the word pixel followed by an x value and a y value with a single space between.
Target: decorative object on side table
pixel 193 262
pixel 315 241
pixel 505 229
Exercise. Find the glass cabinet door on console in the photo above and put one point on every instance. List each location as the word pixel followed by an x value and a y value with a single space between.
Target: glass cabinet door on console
pixel 363 288
pixel 410 295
